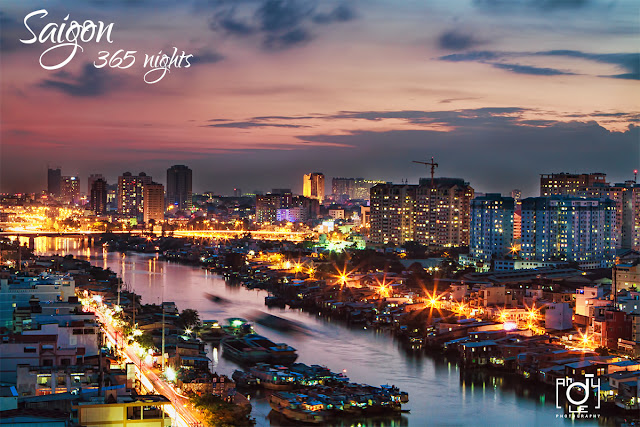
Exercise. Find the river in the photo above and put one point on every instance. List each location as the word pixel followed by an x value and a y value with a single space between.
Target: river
pixel 440 394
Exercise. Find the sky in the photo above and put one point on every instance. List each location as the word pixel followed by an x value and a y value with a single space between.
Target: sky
pixel 497 91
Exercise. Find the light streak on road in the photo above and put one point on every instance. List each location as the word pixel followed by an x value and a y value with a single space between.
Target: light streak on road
pixel 179 408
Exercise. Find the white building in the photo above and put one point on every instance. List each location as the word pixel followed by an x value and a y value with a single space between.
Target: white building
pixel 589 296
pixel 491 230
pixel 569 229
pixel 18 290
pixel 558 316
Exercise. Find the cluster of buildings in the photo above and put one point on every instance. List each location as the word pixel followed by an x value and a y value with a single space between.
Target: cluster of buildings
pixel 134 196
pixel 577 219
pixel 61 363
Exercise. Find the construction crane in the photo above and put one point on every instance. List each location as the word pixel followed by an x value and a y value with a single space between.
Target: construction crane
pixel 433 165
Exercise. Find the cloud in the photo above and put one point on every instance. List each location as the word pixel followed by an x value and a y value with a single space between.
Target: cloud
pixel 628 62
pixel 276 24
pixel 11 31
pixel 341 13
pixel 91 82
pixel 510 6
pixel 227 23
pixel 497 153
pixel 456 40
pixel 254 124
pixel 527 69
pixel 454 118
pixel 206 57
pixel 479 56
pixel 283 41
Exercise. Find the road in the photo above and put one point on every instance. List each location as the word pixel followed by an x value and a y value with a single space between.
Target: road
pixel 182 412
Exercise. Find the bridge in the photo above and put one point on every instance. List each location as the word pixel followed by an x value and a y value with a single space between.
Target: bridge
pixel 210 234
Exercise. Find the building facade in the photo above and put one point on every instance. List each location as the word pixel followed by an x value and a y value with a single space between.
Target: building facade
pixel 130 188
pixel 443 212
pixel 568 184
pixel 568 229
pixel 392 214
pixel 54 181
pixel 313 186
pixel 179 188
pixel 268 205
pixel 352 188
pixel 153 202
pixel 70 189
pixel 626 197
pixel 491 227
pixel 98 196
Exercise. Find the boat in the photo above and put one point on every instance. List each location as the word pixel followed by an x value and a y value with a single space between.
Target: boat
pixel 277 323
pixel 279 353
pixel 293 407
pixel 212 331
pixel 274 377
pixel 238 326
pixel 216 298
pixel 237 348
pixel 254 348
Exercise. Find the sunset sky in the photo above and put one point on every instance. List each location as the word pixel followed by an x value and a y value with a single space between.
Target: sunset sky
pixel 498 91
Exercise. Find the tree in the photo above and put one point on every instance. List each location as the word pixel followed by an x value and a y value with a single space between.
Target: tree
pixel 145 340
pixel 189 318
pixel 220 413
pixel 602 351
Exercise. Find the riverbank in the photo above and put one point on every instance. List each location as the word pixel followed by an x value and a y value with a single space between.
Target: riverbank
pixel 367 355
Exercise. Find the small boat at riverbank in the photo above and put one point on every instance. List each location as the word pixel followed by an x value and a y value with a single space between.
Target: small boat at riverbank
pixel 254 348
pixel 238 349
pixel 296 409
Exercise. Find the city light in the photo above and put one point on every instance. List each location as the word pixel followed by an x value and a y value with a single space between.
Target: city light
pixel 170 373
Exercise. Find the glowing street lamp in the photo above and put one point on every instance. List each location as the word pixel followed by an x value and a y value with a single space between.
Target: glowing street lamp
pixel 170 374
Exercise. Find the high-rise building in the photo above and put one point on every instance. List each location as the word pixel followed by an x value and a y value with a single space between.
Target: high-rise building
pixel 179 190
pixel 54 181
pixel 130 194
pixel 267 206
pixel 626 197
pixel 70 189
pixel 517 214
pixel 313 186
pixel 491 234
pixel 433 216
pixel 442 212
pixel 568 229
pixel 281 205
pixel 567 184
pixel 362 188
pixel 153 202
pixel 98 196
pixel 91 179
pixel 352 188
pixel 310 207
pixel 393 213
pixel 342 188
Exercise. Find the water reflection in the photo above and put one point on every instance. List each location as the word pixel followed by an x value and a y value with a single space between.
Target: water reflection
pixel 440 392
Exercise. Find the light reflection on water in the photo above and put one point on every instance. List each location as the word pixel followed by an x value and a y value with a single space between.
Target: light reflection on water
pixel 440 394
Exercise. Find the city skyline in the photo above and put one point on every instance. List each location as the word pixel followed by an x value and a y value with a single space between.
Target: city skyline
pixel 497 92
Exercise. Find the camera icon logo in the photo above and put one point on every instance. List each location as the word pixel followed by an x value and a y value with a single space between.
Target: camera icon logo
pixel 581 396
